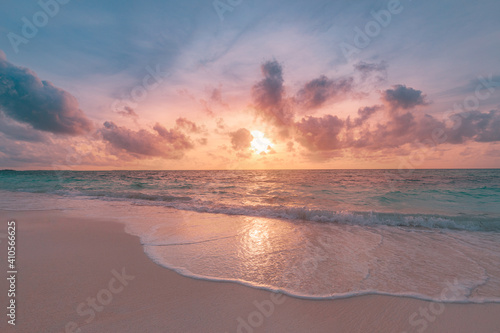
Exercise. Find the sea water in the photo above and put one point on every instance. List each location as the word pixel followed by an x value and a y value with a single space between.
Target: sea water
pixel 430 234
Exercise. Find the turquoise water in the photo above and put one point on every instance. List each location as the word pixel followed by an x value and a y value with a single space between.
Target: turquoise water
pixel 308 233
pixel 462 199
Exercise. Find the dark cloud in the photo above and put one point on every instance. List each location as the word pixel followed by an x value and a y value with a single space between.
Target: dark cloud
pixel 371 74
pixel 480 127
pixel 14 152
pixel 319 133
pixel 401 129
pixel 128 112
pixel 488 126
pixel 402 97
pixel 363 115
pixel 60 153
pixel 26 98
pixel 366 68
pixel 329 133
pixel 324 137
pixel 241 139
pixel 174 137
pixel 269 96
pixel 19 131
pixel 166 143
pixel 318 91
pixel 396 131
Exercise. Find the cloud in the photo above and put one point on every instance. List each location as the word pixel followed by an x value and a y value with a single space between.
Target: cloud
pixel 19 131
pixel 26 98
pixel 216 96
pixel 363 115
pixel 401 129
pixel 269 96
pixel 371 75
pixel 128 112
pixel 56 153
pixel 488 126
pixel 214 99
pixel 169 144
pixel 318 91
pixel 241 139
pixel 326 136
pixel 319 133
pixel 396 131
pixel 188 125
pixel 174 137
pixel 220 124
pixel 269 91
pixel 329 133
pixel 366 69
pixel 480 127
pixel 402 97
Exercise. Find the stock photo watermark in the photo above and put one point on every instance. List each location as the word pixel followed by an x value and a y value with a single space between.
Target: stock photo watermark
pixel 427 315
pixel 264 309
pixel 151 81
pixel 31 26
pixel 11 271
pixel 104 297
pixel 368 32
pixel 223 6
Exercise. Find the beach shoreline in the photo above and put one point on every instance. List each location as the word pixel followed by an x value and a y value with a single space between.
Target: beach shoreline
pixel 89 275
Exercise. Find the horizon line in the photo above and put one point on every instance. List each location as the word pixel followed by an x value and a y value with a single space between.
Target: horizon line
pixel 307 169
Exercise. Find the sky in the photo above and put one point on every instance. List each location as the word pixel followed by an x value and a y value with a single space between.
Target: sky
pixel 249 84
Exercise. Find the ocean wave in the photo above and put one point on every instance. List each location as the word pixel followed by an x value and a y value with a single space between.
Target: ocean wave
pixel 106 195
pixel 365 218
pixel 345 217
pixel 381 254
pixel 320 196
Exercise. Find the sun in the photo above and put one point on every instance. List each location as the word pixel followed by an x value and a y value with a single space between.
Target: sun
pixel 260 144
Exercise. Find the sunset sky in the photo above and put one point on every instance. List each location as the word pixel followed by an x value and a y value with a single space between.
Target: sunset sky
pixel 243 84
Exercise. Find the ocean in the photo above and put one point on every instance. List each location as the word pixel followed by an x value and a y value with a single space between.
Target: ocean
pixel 428 234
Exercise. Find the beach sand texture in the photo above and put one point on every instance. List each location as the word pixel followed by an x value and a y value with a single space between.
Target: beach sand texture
pixel 65 263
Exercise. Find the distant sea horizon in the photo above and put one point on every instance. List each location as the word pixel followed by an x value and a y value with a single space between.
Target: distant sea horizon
pixel 278 169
